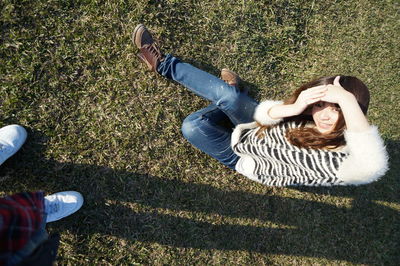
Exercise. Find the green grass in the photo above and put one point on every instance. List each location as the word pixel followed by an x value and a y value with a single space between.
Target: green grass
pixel 101 124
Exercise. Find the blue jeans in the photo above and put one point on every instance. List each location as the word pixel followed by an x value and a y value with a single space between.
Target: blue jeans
pixel 204 129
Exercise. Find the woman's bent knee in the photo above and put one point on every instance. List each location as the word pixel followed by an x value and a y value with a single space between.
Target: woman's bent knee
pixel 189 128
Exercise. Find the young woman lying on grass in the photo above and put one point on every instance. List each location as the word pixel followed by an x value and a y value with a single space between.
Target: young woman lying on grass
pixel 318 137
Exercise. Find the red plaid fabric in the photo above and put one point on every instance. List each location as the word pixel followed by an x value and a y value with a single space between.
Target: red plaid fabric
pixel 21 215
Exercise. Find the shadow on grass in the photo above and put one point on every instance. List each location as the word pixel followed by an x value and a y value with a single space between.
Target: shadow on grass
pixel 133 206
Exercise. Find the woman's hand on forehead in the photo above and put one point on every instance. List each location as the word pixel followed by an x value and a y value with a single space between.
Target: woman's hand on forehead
pixel 308 97
pixel 335 92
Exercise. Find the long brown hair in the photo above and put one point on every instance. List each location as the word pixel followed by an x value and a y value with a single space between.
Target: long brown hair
pixel 309 137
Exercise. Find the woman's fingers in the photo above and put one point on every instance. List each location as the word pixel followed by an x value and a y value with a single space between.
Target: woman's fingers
pixel 315 92
pixel 336 81
pixel 310 96
pixel 320 93
pixel 316 88
pixel 313 100
pixel 313 96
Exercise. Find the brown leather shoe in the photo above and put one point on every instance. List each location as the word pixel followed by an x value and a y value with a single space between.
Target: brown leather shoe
pixel 230 77
pixel 149 51
pixel 151 55
pixel 141 36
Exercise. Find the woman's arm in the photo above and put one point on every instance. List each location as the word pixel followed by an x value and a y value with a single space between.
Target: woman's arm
pixel 272 112
pixel 306 98
pixel 368 159
pixel 353 115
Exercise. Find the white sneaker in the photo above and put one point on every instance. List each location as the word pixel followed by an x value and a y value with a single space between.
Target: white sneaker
pixel 62 204
pixel 12 138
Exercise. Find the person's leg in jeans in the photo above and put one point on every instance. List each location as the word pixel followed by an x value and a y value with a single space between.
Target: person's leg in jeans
pixel 236 104
pixel 201 128
pixel 204 130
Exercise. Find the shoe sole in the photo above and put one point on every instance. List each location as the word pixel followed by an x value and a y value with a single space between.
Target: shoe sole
pixel 139 29
pixel 135 31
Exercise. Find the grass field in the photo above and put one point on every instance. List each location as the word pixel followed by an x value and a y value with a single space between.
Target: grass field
pixel 100 123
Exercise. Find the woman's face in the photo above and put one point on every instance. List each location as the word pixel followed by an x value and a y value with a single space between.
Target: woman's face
pixel 325 116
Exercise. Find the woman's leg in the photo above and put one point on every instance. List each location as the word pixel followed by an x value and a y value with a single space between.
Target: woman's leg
pixel 236 104
pixel 203 130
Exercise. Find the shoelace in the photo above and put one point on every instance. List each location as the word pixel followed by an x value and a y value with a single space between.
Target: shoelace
pixel 153 50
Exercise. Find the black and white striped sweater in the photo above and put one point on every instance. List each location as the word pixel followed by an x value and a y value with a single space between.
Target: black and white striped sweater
pixel 274 161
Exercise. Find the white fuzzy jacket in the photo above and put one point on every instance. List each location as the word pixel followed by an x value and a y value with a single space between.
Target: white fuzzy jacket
pixel 366 157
